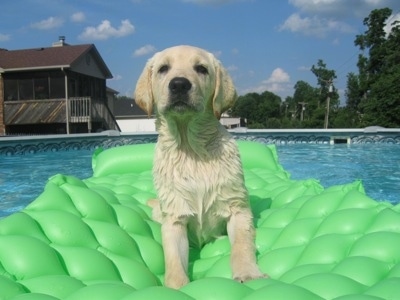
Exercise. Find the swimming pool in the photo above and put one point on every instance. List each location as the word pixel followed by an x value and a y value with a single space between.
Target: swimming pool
pixel 23 177
pixel 377 165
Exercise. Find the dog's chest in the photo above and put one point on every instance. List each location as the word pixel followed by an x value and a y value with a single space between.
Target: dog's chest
pixel 196 182
pixel 187 185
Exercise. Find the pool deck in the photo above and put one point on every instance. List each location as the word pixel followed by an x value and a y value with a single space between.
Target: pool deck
pixel 10 145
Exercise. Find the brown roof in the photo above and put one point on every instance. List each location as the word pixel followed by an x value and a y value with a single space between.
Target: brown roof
pixel 127 108
pixel 50 57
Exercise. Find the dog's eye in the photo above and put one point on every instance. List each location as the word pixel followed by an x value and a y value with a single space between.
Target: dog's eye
pixel 163 69
pixel 201 69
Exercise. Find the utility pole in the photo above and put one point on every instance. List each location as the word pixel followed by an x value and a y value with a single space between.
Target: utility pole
pixel 328 100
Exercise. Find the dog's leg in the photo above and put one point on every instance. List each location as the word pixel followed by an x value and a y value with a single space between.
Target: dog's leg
pixel 176 252
pixel 241 236
pixel 156 212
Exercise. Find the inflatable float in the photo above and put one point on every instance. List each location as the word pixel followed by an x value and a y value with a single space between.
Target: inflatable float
pixel 94 238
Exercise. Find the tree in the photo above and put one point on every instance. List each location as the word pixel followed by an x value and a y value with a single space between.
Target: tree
pixel 329 98
pixel 260 110
pixel 354 92
pixel 124 98
pixel 246 107
pixel 288 114
pixel 379 71
pixel 374 40
pixel 305 101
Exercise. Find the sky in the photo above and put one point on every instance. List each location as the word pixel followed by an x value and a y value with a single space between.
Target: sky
pixel 266 45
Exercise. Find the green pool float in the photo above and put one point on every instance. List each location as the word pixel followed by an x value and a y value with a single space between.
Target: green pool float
pixel 94 238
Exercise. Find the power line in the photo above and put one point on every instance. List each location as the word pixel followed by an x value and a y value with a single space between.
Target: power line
pixel 345 63
pixel 358 51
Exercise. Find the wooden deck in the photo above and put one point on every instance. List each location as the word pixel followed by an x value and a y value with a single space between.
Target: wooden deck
pixel 34 112
pixel 80 110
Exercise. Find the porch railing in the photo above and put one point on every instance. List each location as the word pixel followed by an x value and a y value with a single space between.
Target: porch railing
pixel 86 109
pixel 80 109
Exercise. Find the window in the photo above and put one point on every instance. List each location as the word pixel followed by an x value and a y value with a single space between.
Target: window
pixel 11 89
pixel 34 86
pixel 57 89
pixel 73 88
pixel 41 88
pixel 25 89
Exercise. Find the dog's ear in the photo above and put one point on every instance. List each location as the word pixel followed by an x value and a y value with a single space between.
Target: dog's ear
pixel 225 92
pixel 143 92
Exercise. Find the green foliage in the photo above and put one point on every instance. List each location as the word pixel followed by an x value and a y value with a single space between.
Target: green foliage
pixel 383 106
pixel 325 79
pixel 354 92
pixel 258 109
pixel 344 117
pixel 124 98
pixel 377 96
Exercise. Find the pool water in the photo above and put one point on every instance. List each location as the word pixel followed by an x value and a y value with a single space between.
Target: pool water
pixel 377 165
pixel 23 177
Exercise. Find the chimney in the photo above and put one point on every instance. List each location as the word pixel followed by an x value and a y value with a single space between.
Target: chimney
pixel 61 42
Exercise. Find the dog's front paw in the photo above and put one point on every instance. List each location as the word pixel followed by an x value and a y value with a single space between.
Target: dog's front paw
pixel 248 274
pixel 176 282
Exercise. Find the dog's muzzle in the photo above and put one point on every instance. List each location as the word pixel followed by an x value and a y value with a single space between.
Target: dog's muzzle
pixel 179 88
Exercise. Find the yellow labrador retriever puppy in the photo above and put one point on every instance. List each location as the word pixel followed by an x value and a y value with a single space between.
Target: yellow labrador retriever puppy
pixel 197 169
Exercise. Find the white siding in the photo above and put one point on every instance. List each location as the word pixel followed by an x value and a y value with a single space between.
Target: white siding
pixel 137 125
pixel 148 125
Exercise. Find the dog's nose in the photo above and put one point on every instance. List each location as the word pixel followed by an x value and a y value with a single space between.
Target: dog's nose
pixel 179 85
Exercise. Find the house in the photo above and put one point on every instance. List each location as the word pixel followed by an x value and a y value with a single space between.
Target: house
pixel 57 89
pixel 131 118
pixel 111 98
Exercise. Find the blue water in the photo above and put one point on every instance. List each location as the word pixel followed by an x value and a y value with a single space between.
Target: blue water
pixel 377 165
pixel 22 178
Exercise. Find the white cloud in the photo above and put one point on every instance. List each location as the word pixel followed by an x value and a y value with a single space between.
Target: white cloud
pixel 304 68
pixel 116 77
pixel 4 37
pixel 217 53
pixel 49 23
pixel 320 17
pixel 232 68
pixel 314 26
pixel 105 31
pixel 78 17
pixel 321 6
pixel 147 49
pixel 342 8
pixel 278 76
pixel 278 82
pixel 209 1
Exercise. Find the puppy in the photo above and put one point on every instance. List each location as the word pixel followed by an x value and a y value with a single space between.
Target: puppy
pixel 197 169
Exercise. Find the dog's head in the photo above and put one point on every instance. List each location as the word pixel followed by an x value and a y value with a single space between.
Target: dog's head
pixel 184 79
